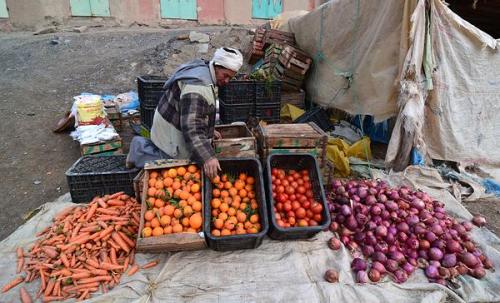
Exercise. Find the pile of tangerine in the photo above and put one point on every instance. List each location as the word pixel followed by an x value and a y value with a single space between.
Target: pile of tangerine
pixel 234 206
pixel 173 201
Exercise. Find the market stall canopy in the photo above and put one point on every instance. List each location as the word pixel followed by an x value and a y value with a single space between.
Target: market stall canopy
pixel 414 59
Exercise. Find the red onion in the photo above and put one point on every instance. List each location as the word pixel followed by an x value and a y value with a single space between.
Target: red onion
pixel 397 256
pixel 453 246
pixel 449 260
pixel 391 205
pixel 379 267
pixel 412 243
pixel 430 236
pixel 362 193
pixel 367 250
pixel 403 227
pixel 344 239
pixel 374 275
pixel 394 195
pixel 468 259
pixel 391 265
pixel 340 190
pixel 332 276
pixel 408 268
pixel 340 218
pixel 370 200
pixel 479 220
pixel 435 254
pixel 432 272
pixel 413 219
pixel 418 204
pixel 382 198
pixel 375 210
pixel 351 223
pixel 336 183
pixel 358 264
pixel 334 226
pixel 334 243
pixel 370 240
pixel 437 229
pixel 462 269
pixel 371 225
pixel 359 237
pixel 423 254
pixel 361 276
pixel 352 246
pixel 424 244
pixel 402 237
pixel 444 272
pixel 381 231
pixel 419 229
pixel 400 276
pixel 382 247
pixel 469 246
pixel 361 219
pixel 478 272
pixel 487 263
pixel 390 239
pixel 439 244
pixel 345 210
pixel 379 256
pixel 467 225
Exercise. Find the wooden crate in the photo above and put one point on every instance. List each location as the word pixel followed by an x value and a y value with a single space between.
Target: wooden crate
pixel 172 242
pixel 296 98
pixel 138 185
pixel 237 141
pixel 292 138
pixel 112 147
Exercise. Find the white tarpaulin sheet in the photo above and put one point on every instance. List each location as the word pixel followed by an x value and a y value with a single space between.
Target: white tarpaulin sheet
pixel 286 271
pixel 413 59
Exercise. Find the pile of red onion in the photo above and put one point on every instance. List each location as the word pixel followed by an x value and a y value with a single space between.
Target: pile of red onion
pixel 395 231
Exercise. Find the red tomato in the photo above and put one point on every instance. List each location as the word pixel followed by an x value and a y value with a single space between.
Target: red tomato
pixel 307 185
pixel 306 178
pixel 289 190
pixel 300 182
pixel 280 189
pixel 317 217
pixel 287 206
pixel 313 223
pixel 304 172
pixel 292 197
pixel 302 223
pixel 287 225
pixel 306 204
pixel 302 199
pixel 290 214
pixel 294 184
pixel 274 171
pixel 290 179
pixel 309 214
pixel 309 194
pixel 273 187
pixel 277 182
pixel 279 206
pixel 280 223
pixel 316 207
pixel 274 208
pixel 300 213
pixel 301 189
pixel 277 216
pixel 296 176
pixel 281 198
pixel 291 221
pixel 285 183
pixel 295 205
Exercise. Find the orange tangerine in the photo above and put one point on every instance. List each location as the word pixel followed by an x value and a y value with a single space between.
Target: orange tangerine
pixel 195 188
pixel 184 195
pixel 231 211
pixel 165 220
pixel 216 192
pixel 241 216
pixel 149 215
pixel 254 205
pixel 183 203
pixel 151 201
pixel 195 221
pixel 233 191
pixel 146 232
pixel 177 228
pixel 215 232
pixel 185 221
pixel 197 196
pixel 169 210
pixel 167 230
pixel 216 180
pixel 243 193
pixel 191 230
pixel 147 224
pixel 159 203
pixel 196 206
pixel 229 225
pixel 192 169
pixel 215 213
pixel 227 185
pixel 218 223
pixel 172 173
pixel 224 194
pixel 242 177
pixel 254 218
pixel 250 180
pixel 181 171
pixel 152 182
pixel 176 185
pixel 239 184
pixel 191 200
pixel 159 184
pixel 155 222
pixel 153 175
pixel 240 231
pixel 243 206
pixel 215 203
pixel 225 232
pixel 168 181
pixel 151 191
pixel 157 231
pixel 223 216
pixel 188 211
pixel 223 207
pixel 177 213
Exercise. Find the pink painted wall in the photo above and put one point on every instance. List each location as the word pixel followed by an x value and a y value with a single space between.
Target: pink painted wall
pixel 211 11
pixel 142 11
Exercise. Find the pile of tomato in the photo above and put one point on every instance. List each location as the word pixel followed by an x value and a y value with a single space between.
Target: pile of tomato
pixel 294 203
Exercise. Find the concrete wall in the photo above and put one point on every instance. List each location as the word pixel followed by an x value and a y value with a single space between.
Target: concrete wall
pixel 141 11
pixel 29 14
pixel 211 11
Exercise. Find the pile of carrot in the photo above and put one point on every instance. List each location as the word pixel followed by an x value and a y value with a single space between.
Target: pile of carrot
pixel 86 249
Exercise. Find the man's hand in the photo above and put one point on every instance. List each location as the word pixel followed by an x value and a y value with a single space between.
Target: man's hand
pixel 211 167
pixel 217 135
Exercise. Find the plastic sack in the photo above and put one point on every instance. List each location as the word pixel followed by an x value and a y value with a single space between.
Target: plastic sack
pixel 292 112
pixel 338 152
pixel 360 149
pixel 127 101
pixel 340 161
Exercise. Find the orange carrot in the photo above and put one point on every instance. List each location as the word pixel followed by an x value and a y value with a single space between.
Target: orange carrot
pixel 116 195
pixel 57 288
pixel 99 272
pixel 50 286
pixel 112 254
pixel 109 266
pixel 52 298
pixel 92 263
pixel 150 264
pixel 125 263
pixel 25 296
pixel 108 211
pixel 84 295
pixel 132 257
pixel 95 279
pixel 65 260
pixel 102 203
pixel 20 264
pixel 113 244
pixel 123 245
pixel 127 240
pixel 116 203
pixel 106 232
pixel 50 251
pixel 133 270
pixel 19 252
pixel 81 286
pixel 81 275
pixel 12 284
pixel 91 211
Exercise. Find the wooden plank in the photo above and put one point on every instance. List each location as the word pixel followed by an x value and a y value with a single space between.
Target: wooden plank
pixel 237 141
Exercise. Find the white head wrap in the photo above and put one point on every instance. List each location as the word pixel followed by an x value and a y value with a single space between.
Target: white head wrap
pixel 230 58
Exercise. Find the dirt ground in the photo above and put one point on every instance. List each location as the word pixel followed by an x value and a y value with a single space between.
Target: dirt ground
pixel 39 75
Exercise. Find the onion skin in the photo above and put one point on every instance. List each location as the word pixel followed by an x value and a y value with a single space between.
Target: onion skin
pixel 379 267
pixel 334 243
pixel 361 277
pixel 358 264
pixel 374 275
pixel 468 259
pixel 332 276
pixel 432 272
pixel 449 260
pixel 478 272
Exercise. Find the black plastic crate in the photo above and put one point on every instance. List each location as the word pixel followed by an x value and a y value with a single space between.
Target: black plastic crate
pixel 147 115
pixel 318 116
pixel 238 92
pixel 92 176
pixel 150 89
pixel 230 113
pixel 268 112
pixel 235 166
pixel 295 162
pixel 267 92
